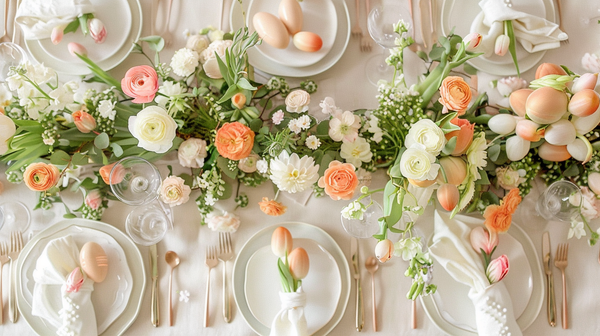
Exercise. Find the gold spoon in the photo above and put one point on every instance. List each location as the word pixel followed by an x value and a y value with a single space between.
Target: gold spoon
pixel 372 266
pixel 172 260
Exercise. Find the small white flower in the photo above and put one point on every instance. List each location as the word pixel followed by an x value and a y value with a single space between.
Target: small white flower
pixel 509 84
pixel 63 95
pixel 356 152
pixel 209 199
pixel 354 210
pixel 262 166
pixel 577 229
pixel 292 173
pixel 215 35
pixel 304 122
pixel 408 248
pixel 344 126
pixel 312 142
pixel 5 95
pixel 418 164
pixel 184 296
pixel 107 109
pixel 591 62
pixel 170 90
pixel 294 126
pixel 48 141
pixel 277 117
pixel 328 105
pixel 428 134
pixel 184 62
pixel 374 128
pixel 225 222
pixel 297 101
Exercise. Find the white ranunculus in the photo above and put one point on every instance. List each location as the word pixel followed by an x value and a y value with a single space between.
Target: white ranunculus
pixel 174 191
pixel 356 152
pixel 248 164
pixel 106 108
pixel 7 130
pixel 226 222
pixel 184 62
pixel 197 43
pixel 297 101
pixel 292 173
pixel 191 153
pixel 428 134
pixel 508 178
pixel 509 84
pixel 154 129
pixel 418 164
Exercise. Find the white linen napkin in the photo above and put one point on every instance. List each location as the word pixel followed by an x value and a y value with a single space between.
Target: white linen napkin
pixel 290 321
pixel 37 18
pixel 452 250
pixel 533 32
pixel 71 313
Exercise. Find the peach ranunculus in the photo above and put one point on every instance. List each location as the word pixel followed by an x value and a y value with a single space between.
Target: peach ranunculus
pixel 499 217
pixel 271 207
pixel 118 174
pixel 339 180
pixel 455 94
pixel 84 121
pixel 174 191
pixel 140 83
pixel 464 136
pixel 41 176
pixel 234 141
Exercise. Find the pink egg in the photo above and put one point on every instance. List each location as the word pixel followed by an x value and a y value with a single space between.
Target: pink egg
pixel 307 41
pixel 271 30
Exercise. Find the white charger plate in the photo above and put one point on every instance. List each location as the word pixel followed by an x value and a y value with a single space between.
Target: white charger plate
pixel 259 61
pixel 116 16
pixel 524 281
pixel 263 285
pixel 459 14
pixel 319 18
pixel 82 230
pixel 74 66
pixel 263 238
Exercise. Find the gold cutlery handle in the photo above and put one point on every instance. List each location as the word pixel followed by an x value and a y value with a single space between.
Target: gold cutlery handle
pixel 226 303
pixel 360 308
pixel 206 300
pixel 565 312
pixel 413 315
pixel 154 312
pixel 374 303
pixel 13 313
pixel 171 298
pixel 1 303
pixel 551 301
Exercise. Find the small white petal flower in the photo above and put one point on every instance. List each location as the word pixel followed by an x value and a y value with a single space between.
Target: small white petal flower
pixel 312 142
pixel 292 173
pixel 262 166
pixel 304 122
pixel 356 152
pixel 328 105
pixel 277 117
pixel 576 230
pixel 344 126
pixel 106 108
pixel 294 126
pixel 184 62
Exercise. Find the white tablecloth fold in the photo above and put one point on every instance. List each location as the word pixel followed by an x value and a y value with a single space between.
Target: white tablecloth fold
pixel 290 321
pixel 37 18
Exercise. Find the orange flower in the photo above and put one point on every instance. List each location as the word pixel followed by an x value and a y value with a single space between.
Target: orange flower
pixel 84 121
pixel 234 141
pixel 272 207
pixel 118 175
pixel 455 94
pixel 41 176
pixel 464 136
pixel 339 180
pixel 499 217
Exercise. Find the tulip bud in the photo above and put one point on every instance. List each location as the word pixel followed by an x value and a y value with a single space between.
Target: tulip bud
pixel 584 125
pixel 502 123
pixel 594 182
pixel 560 133
pixel 497 269
pixel 112 173
pixel 586 81
pixel 482 239
pixel 546 69
pixel 584 103
pixel 448 196
pixel 75 281
pixel 553 153
pixel 464 136
pixel 581 149
pixel 472 41
pixel 502 43
pixel 529 130
pixel 421 184
pixel 517 148
pixel 97 30
pixel 384 250
pixel 281 242
pixel 518 101
pixel 211 68
pixel 455 170
pixel 76 48
pixel 57 34
pixel 239 100
pixel 299 263
pixel 508 85
pixel 84 122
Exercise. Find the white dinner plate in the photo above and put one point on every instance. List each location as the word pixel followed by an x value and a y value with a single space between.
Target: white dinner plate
pixel 116 16
pixel 76 67
pixel 263 238
pixel 524 281
pixel 261 62
pixel 319 18
pixel 459 14
pixel 116 301
pixel 263 285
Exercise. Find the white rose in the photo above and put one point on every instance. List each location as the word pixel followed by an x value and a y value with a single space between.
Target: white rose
pixel 191 153
pixel 418 164
pixel 216 35
pixel 227 222
pixel 106 108
pixel 509 84
pixel 174 191
pixel 184 62
pixel 7 130
pixel 428 134
pixel 248 164
pixel 197 43
pixel 297 101
pixel 217 47
pixel 154 128
pixel 508 178
pixel 591 62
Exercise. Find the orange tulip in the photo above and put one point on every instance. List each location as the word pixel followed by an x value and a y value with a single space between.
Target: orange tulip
pixel 118 174
pixel 448 196
pixel 384 250
pixel 239 100
pixel 84 121
pixel 299 263
pixel 464 136
pixel 546 69
pixel 281 242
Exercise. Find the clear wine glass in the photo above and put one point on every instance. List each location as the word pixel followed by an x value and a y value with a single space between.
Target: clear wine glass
pixel 368 225
pixel 380 24
pixel 11 55
pixel 561 201
pixel 147 224
pixel 14 216
pixel 135 181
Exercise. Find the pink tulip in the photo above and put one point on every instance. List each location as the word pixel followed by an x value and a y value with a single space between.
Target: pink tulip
pixel 299 263
pixel 472 41
pixel 281 242
pixel 497 269
pixel 586 81
pixel 84 121
pixel 384 250
pixel 93 199
pixel 97 30
pixel 448 196
pixel 502 43
pixel 57 34
pixel 75 280
pixel 76 48
pixel 529 130
pixel 482 239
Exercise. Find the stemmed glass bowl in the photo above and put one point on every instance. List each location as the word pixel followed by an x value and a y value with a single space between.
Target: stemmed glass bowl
pixel 561 201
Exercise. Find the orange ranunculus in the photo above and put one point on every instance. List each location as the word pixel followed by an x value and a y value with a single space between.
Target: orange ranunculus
pixel 84 121
pixel 499 217
pixel 339 180
pixel 455 94
pixel 272 207
pixel 118 175
pixel 464 136
pixel 234 141
pixel 41 176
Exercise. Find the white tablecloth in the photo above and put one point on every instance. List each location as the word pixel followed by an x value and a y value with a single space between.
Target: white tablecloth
pixel 347 83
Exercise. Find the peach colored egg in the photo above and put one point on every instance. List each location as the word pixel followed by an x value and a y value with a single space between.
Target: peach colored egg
pixel 553 153
pixel 546 69
pixel 518 99
pixel 546 105
pixel 271 30
pixel 584 103
pixel 291 15
pixel 307 41
pixel 94 261
pixel 528 130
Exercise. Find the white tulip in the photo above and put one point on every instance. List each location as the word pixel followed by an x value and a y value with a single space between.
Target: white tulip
pixel 502 123
pixel 584 125
pixel 580 150
pixel 560 133
pixel 517 148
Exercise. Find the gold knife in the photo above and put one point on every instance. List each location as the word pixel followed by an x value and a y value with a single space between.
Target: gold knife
pixel 360 309
pixel 551 301
pixel 154 312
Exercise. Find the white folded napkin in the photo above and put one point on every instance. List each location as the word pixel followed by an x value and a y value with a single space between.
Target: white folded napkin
pixel 37 18
pixel 70 313
pixel 452 250
pixel 290 321
pixel 533 32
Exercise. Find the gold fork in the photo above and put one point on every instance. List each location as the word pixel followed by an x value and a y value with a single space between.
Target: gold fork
pixel 356 31
pixel 3 260
pixel 16 244
pixel 561 263
pixel 211 261
pixel 365 43
pixel 560 18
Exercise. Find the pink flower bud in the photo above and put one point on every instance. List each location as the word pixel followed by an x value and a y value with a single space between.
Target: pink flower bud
pixel 76 48
pixel 75 280
pixel 529 130
pixel 57 34
pixel 472 41
pixel 502 43
pixel 497 269
pixel 384 250
pixel 482 239
pixel 281 242
pixel 586 81
pixel 299 263
pixel 97 30
pixel 93 199
pixel 84 121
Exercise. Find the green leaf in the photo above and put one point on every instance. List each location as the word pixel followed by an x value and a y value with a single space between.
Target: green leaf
pixel 422 55
pixel 446 119
pixel 484 180
pixel 323 128
pixel 244 84
pixel 224 71
pixel 223 163
pixel 512 48
pixel 60 158
pixel 255 125
pixel 231 91
pixel 450 146
pixel 470 69
pixel 102 141
pixel 494 152
pixel 117 149
pixel 155 43
pixel 573 170
pixel 490 197
pixel 83 24
pixel 71 27
pixel 324 164
pixel 79 159
pixel 69 216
